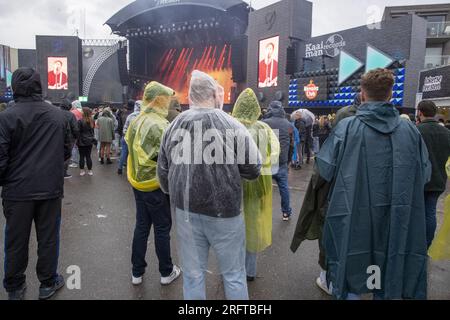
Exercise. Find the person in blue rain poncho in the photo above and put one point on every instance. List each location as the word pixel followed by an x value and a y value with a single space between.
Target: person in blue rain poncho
pixel 376 218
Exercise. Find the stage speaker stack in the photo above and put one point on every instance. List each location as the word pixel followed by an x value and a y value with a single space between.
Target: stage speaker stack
pixel 123 69
pixel 239 58
pixel 291 60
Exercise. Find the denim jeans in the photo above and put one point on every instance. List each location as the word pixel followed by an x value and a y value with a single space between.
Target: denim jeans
pixel 152 208
pixel 250 264
pixel 431 200
pixel 123 154
pixel 196 235
pixel 75 155
pixel 281 179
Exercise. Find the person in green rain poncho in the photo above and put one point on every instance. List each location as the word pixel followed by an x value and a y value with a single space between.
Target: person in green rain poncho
pixel 258 193
pixel 152 205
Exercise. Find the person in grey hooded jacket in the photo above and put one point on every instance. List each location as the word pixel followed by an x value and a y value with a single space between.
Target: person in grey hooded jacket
pixel 202 174
pixel 276 119
pixel 124 152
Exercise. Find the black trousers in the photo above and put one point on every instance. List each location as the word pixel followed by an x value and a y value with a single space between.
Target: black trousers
pixel 85 157
pixel 19 216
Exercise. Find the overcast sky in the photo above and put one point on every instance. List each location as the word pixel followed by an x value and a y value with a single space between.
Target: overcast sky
pixel 21 20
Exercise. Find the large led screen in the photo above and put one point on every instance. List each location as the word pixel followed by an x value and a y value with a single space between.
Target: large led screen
pixel 57 73
pixel 268 62
pixel 176 65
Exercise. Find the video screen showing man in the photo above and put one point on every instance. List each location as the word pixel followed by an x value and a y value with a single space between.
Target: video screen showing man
pixel 57 74
pixel 268 62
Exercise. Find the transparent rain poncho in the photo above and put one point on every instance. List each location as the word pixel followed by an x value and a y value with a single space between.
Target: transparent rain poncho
pixel 144 137
pixel 440 249
pixel 205 154
pixel 258 193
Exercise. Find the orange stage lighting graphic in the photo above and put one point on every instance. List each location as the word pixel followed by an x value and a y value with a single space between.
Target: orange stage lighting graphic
pixel 176 66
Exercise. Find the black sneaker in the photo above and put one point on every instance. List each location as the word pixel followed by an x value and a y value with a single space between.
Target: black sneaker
pixel 119 172
pixel 47 293
pixel 250 279
pixel 18 294
pixel 67 176
pixel 102 161
pixel 109 161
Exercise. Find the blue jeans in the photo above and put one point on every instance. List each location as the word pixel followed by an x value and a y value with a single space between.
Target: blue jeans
pixel 250 264
pixel 196 234
pixel 152 208
pixel 75 155
pixel 281 179
pixel 124 154
pixel 431 200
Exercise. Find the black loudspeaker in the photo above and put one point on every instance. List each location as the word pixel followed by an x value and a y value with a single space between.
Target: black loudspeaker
pixel 123 70
pixel 291 60
pixel 239 58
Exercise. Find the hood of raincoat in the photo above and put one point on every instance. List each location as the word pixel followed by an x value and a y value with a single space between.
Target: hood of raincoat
pixel 107 113
pixel 144 137
pixel 66 105
pixel 157 98
pixel 276 110
pixel 26 84
pixel 380 116
pixel 247 109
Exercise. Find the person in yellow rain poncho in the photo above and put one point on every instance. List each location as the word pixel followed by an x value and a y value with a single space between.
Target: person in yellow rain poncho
pixel 258 193
pixel 152 205
pixel 440 249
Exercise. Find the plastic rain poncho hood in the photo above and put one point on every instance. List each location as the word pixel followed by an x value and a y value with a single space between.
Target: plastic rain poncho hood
pixel 193 166
pixel 258 193
pixel 379 166
pixel 144 137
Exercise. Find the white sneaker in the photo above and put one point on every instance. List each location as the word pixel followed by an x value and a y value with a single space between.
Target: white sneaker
pixel 90 173
pixel 136 281
pixel 323 285
pixel 165 281
pixel 73 165
pixel 82 173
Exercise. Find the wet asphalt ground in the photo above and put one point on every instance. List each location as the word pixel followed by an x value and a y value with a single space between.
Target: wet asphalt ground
pixel 96 235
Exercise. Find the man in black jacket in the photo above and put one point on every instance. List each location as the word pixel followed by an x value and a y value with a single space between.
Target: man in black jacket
pixel 33 139
pixel 276 119
pixel 437 139
pixel 72 128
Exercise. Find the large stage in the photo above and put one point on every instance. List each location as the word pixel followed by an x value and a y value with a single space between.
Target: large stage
pixel 270 50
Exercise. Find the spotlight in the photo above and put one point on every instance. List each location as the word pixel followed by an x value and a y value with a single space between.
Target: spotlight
pixel 161 26
pixel 184 28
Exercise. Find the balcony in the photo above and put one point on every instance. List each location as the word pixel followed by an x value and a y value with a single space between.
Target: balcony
pixel 436 61
pixel 438 29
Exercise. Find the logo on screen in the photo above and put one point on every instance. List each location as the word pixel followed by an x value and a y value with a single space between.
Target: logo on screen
pixel 311 90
